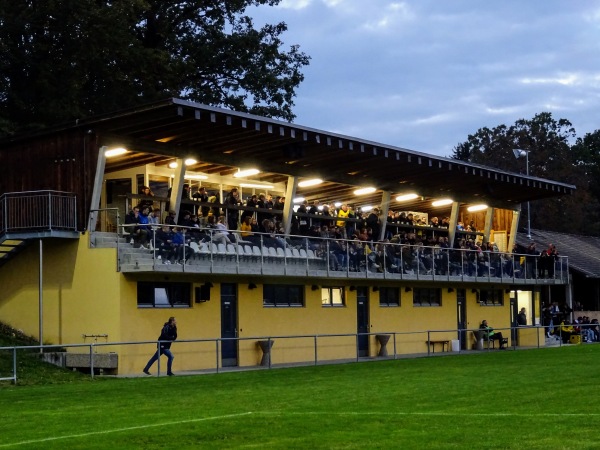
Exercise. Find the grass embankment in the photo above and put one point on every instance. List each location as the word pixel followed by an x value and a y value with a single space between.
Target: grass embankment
pixel 535 399
pixel 31 369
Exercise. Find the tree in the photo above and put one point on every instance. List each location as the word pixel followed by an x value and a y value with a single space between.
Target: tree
pixel 65 59
pixel 550 156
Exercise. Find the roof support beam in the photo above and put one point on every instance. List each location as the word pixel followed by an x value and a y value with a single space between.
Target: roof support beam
pixel 487 228
pixel 97 189
pixel 177 188
pixel 514 226
pixel 288 205
pixel 453 223
pixel 385 207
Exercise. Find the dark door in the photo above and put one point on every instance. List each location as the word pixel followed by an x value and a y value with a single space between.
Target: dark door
pixel 514 306
pixel 461 317
pixel 362 318
pixel 229 345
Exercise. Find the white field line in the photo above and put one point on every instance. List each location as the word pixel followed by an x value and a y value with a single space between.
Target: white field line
pixel 117 430
pixel 303 413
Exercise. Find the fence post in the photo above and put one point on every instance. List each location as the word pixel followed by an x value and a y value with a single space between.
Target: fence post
pixel 394 336
pixel 315 339
pixel 15 366
pixel 92 359
pixel 217 353
pixel 428 342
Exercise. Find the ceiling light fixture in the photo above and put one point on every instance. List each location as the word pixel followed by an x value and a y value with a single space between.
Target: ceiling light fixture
pixel 442 202
pixel 406 197
pixel 337 204
pixel 298 200
pixel 477 208
pixel 173 165
pixel 190 162
pixel 366 208
pixel 246 173
pixel 311 182
pixel 364 191
pixel 115 152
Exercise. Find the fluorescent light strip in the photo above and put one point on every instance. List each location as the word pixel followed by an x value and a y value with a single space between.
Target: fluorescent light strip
pixel 246 173
pixel 308 183
pixel 442 202
pixel 115 152
pixel 364 191
pixel 406 197
pixel 477 208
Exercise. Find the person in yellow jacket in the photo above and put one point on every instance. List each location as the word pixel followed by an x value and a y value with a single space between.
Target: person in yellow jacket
pixel 343 213
pixel 566 331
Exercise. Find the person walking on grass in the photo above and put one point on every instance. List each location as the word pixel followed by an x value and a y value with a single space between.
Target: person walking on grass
pixel 167 335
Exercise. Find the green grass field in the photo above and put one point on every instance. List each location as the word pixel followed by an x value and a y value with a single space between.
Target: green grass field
pixel 546 399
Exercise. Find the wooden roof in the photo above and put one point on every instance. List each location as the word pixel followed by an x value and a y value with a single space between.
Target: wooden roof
pixel 223 141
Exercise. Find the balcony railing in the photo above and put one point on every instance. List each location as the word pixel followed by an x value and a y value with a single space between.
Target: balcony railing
pixel 209 250
pixel 37 211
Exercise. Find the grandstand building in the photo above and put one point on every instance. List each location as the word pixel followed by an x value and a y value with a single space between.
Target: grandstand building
pixel 74 268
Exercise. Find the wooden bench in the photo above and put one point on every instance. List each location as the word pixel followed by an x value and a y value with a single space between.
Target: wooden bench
pixel 444 344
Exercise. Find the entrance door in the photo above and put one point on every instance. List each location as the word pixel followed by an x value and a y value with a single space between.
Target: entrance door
pixel 229 345
pixel 461 317
pixel 362 319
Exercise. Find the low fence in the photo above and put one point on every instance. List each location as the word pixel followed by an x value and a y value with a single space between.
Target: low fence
pixel 95 356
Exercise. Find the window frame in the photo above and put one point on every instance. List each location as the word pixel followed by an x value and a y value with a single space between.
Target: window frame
pixel 422 297
pixel 485 294
pixel 329 301
pixel 171 290
pixel 286 291
pixel 385 293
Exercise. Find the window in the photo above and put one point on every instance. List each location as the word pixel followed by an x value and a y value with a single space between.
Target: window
pixel 163 295
pixel 389 296
pixel 427 297
pixel 282 295
pixel 332 296
pixel 491 297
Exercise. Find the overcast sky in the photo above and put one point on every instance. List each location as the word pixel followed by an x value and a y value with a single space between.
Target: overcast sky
pixel 424 74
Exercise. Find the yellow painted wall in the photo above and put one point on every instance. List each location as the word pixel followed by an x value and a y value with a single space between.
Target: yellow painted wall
pixel 313 318
pixel 80 292
pixel 84 294
pixel 411 322
pixel 496 316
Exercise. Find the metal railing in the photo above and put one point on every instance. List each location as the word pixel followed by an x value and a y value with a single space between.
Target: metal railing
pixel 397 338
pixel 35 211
pixel 219 251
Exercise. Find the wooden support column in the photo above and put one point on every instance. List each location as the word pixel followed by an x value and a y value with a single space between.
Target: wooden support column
pixel 489 220
pixel 97 190
pixel 514 226
pixel 453 223
pixel 385 207
pixel 288 206
pixel 177 188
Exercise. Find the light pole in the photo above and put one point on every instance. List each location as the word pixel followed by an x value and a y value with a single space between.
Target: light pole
pixel 519 153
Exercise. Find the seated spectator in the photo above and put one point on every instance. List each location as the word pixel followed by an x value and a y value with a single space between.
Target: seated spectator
pixel 491 335
pixel 139 233
pixel 164 238
pixel 566 331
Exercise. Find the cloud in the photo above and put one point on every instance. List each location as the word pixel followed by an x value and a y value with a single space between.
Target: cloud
pixel 295 4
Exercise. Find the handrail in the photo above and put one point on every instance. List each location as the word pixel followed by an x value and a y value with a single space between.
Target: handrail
pixel 44 210
pixel 218 342
pixel 352 255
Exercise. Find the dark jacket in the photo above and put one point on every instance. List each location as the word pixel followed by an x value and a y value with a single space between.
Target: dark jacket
pixel 168 334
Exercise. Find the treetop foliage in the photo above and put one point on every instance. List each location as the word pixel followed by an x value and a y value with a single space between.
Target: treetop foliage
pixel 552 155
pixel 65 59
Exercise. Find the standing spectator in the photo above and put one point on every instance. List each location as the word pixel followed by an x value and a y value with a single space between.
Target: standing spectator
pixel 233 214
pixel 201 196
pixel 522 318
pixel 147 201
pixel 168 334
pixel 374 224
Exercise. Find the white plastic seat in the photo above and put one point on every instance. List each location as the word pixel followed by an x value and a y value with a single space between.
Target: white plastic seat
pixel 296 253
pixel 280 252
pixel 256 251
pixel 303 253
